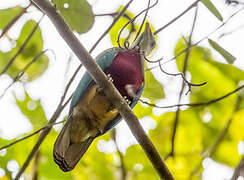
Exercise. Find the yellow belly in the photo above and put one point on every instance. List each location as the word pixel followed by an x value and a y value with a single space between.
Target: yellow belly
pixel 91 115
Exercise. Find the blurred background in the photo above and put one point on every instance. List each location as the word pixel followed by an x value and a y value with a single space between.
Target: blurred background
pixel 208 142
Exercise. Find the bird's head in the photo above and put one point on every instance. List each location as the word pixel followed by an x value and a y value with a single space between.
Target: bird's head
pixel 146 41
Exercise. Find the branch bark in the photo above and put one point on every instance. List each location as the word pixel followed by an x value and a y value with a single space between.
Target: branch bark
pixel 108 87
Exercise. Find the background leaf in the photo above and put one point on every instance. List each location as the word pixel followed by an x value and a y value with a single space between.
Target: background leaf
pixel 212 9
pixel 33 110
pixel 6 15
pixel 33 48
pixel 153 89
pixel 229 57
pixel 77 13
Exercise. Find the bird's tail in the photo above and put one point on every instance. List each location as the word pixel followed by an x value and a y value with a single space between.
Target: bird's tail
pixel 67 154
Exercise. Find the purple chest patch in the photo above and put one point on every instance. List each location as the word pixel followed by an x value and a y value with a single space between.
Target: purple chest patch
pixel 126 70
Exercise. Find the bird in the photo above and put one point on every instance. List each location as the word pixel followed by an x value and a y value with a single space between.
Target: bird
pixel 91 113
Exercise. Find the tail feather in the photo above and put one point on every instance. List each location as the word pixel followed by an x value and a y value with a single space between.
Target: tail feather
pixel 66 154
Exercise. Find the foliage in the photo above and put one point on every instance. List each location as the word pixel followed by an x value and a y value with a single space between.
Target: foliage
pixel 31 50
pixel 77 13
pixel 212 9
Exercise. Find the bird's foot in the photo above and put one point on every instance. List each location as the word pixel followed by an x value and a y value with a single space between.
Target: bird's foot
pixel 127 100
pixel 110 79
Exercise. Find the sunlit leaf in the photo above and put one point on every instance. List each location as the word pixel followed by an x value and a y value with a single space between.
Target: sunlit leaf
pixel 233 72
pixel 137 164
pixel 227 153
pixel 212 9
pixel 153 89
pixel 33 110
pixel 142 111
pixel 202 70
pixel 77 13
pixel 32 49
pixel 6 15
pixel 228 57
pixel 209 121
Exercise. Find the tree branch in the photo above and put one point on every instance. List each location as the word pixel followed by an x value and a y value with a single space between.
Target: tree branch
pixel 238 170
pixel 57 111
pixel 108 87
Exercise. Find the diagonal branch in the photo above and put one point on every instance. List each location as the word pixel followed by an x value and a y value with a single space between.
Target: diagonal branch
pixel 108 87
pixel 58 110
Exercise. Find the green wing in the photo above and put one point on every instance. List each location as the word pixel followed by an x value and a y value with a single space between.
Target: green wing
pixel 104 60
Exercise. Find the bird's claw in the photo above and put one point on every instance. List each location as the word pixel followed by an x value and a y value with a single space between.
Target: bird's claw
pixel 110 79
pixel 127 100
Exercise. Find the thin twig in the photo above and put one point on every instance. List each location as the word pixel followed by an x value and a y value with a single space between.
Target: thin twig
pixel 177 17
pixel 132 20
pixel 14 20
pixel 32 134
pixel 144 19
pixel 110 91
pixel 41 138
pixel 22 46
pixel 176 120
pixel 113 23
pixel 21 73
pixel 213 147
pixel 196 104
pixel 121 157
pixel 202 39
pixel 183 77
pixel 36 165
pixel 231 31
pixel 107 14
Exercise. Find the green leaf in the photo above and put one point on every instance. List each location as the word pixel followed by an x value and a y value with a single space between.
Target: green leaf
pixel 233 72
pixel 137 164
pixel 142 111
pixel 153 89
pixel 212 9
pixel 221 79
pixel 228 57
pixel 33 110
pixel 31 50
pixel 77 13
pixel 7 15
